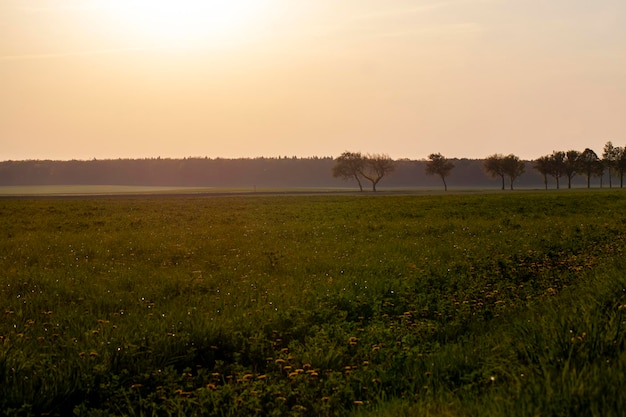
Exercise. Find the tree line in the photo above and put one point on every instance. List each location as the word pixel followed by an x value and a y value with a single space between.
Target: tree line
pixel 559 164
pixel 577 169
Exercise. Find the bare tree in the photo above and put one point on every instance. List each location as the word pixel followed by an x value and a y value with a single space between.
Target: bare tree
pixel 349 165
pixel 439 165
pixel 375 167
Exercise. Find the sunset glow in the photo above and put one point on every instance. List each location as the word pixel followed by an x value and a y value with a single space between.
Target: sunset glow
pixel 245 78
pixel 183 22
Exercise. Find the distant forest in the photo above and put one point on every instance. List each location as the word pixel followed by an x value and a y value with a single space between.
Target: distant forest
pixel 250 173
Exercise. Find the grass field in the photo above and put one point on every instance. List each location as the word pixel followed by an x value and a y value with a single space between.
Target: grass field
pixel 500 304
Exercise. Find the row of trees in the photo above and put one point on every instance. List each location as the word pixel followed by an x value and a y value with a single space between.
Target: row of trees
pixel 496 165
pixel 587 163
pixel 559 164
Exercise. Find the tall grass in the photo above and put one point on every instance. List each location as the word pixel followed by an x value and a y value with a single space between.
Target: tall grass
pixel 499 304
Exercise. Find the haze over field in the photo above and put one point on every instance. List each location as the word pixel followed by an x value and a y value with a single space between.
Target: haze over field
pixel 83 79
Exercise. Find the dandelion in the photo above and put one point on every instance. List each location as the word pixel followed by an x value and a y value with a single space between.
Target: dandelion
pixel 183 393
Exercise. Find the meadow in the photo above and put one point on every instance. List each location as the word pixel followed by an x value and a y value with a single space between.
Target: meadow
pixel 499 304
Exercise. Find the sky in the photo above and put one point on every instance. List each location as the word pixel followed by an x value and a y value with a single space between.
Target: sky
pixel 84 79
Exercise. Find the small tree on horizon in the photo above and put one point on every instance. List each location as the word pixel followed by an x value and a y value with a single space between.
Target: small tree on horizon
pixel 543 165
pixel 588 165
pixel 571 165
pixel 375 167
pixel 504 166
pixel 557 166
pixel 513 168
pixel 621 164
pixel 349 165
pixel 439 165
pixel 494 167
pixel 610 157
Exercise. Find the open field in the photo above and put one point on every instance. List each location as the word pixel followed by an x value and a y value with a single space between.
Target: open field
pixel 499 304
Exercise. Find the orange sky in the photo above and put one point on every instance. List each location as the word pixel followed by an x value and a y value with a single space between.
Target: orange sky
pixel 83 79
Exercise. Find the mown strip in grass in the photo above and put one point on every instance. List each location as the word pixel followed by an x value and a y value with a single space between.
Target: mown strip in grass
pixel 318 305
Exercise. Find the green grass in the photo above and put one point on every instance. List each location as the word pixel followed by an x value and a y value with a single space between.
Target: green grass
pixel 500 304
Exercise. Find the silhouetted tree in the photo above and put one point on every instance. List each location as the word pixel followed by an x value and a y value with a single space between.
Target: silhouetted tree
pixel 621 164
pixel 588 164
pixel 493 166
pixel 571 165
pixel 598 171
pixel 349 165
pixel 439 165
pixel 557 165
pixel 513 168
pixel 504 166
pixel 375 167
pixel 610 157
pixel 544 166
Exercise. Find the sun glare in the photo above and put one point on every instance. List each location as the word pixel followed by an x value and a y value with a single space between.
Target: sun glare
pixel 185 22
